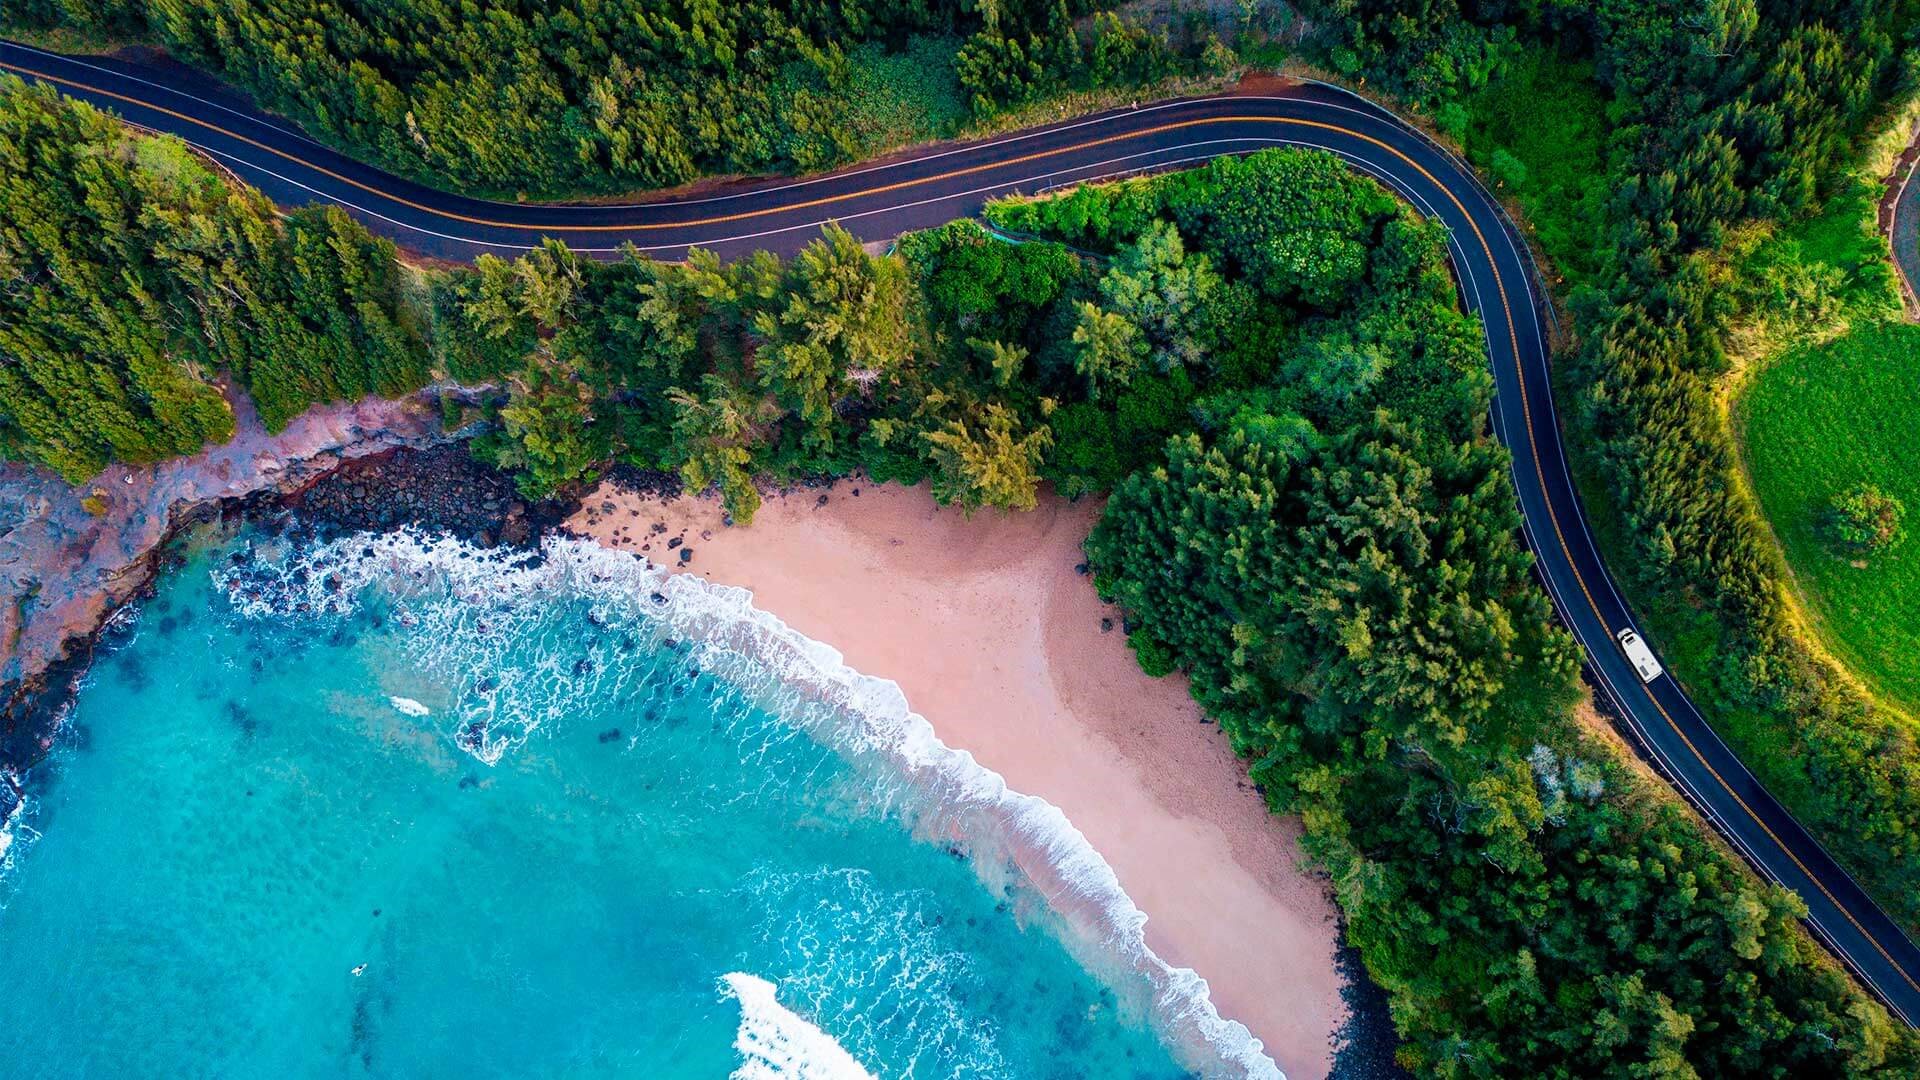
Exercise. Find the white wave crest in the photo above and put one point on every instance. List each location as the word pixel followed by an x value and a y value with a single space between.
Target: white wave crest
pixel 16 835
pixel 776 1043
pixel 407 706
pixel 448 589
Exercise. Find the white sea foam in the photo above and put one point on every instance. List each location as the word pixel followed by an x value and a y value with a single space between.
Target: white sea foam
pixel 16 835
pixel 776 1043
pixel 455 595
pixel 407 706
pixel 867 964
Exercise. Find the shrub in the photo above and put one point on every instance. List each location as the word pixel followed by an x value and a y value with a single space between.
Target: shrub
pixel 1863 519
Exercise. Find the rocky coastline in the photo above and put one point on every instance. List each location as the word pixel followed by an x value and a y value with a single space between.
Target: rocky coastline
pixel 70 557
pixel 374 466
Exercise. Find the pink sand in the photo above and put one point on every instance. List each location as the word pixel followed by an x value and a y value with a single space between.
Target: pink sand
pixel 998 642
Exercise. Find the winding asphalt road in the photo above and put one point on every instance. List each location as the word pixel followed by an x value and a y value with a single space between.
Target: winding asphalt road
pixel 1497 281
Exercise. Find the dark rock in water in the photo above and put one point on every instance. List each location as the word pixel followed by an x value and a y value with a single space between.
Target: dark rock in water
pixel 487 685
pixel 670 644
pixel 167 624
pixel 583 666
pixel 133 672
pixel 468 781
pixel 241 718
pixel 610 735
pixel 442 489
pixel 658 598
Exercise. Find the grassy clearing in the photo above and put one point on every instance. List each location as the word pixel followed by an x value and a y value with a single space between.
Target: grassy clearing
pixel 1548 115
pixel 1821 418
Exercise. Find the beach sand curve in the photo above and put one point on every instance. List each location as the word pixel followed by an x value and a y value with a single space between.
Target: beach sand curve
pixel 1003 645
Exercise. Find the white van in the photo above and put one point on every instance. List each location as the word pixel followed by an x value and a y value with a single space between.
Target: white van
pixel 1638 655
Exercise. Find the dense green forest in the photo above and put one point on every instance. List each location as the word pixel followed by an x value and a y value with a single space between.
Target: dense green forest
pixel 514 96
pixel 1020 362
pixel 1738 114
pixel 1331 553
pixel 135 278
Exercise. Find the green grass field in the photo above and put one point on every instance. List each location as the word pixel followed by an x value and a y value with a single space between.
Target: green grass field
pixel 1819 419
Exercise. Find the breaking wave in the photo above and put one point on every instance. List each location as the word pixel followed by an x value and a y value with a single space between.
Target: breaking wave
pixel 776 1043
pixel 15 808
pixel 457 597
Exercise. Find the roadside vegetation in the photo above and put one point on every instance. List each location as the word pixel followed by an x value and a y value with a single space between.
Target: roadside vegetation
pixel 134 281
pixel 1536 127
pixel 1264 363
pixel 608 97
pixel 1726 177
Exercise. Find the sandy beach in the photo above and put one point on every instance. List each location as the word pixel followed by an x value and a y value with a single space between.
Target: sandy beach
pixel 1006 649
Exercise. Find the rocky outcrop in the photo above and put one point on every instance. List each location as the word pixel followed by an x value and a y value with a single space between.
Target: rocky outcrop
pixel 69 556
pixel 440 490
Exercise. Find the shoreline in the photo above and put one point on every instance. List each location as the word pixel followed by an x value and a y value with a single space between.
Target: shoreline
pixel 66 572
pixel 381 482
pixel 995 636
pixel 73 555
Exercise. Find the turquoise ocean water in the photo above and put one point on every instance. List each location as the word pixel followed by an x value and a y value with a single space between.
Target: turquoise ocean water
pixel 392 807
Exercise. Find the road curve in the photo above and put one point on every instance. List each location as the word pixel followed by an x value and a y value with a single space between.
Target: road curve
pixel 1900 221
pixel 1496 276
